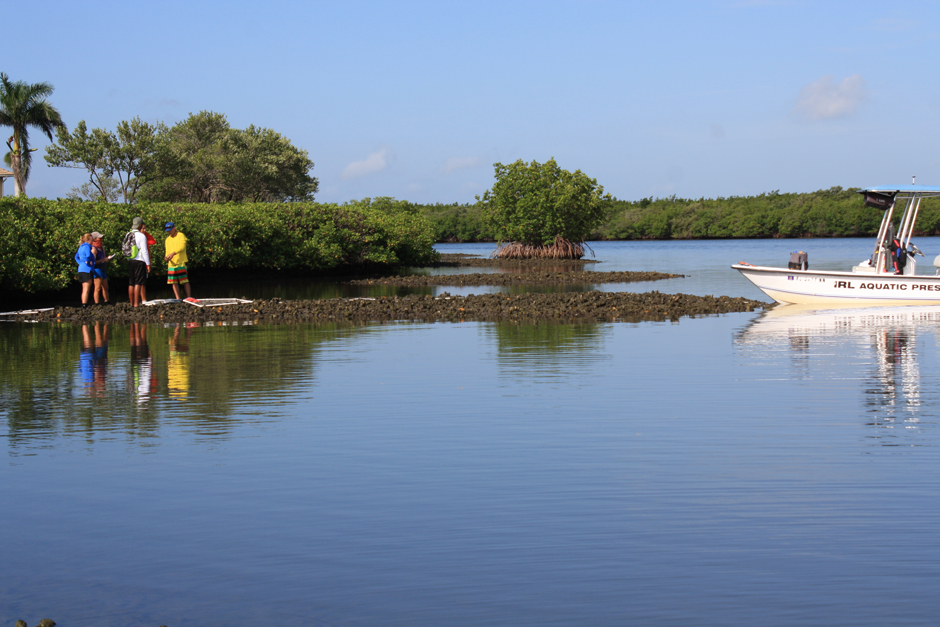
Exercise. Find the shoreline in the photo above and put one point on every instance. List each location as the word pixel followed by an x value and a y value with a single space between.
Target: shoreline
pixel 564 307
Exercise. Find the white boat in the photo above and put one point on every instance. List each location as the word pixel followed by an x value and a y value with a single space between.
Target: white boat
pixel 888 277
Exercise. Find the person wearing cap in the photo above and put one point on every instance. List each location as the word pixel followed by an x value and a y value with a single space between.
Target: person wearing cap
pixel 98 273
pixel 139 266
pixel 176 260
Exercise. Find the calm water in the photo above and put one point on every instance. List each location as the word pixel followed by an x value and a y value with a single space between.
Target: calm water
pixel 747 469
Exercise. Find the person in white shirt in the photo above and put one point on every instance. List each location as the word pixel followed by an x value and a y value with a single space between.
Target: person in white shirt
pixel 139 265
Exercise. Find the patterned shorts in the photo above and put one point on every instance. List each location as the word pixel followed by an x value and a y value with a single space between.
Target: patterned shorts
pixel 176 274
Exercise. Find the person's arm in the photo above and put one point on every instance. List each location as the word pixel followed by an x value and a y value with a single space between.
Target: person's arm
pixel 142 245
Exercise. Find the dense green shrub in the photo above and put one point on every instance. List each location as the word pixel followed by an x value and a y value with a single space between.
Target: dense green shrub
pixel 43 235
pixel 540 203
pixel 458 223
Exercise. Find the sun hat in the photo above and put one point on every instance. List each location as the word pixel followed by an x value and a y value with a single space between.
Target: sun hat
pixel 169 227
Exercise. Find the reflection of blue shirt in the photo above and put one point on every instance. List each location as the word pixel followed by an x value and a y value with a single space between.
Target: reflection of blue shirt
pixel 86 364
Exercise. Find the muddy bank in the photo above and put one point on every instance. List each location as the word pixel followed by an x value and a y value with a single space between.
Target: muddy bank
pixel 580 277
pixel 462 260
pixel 558 307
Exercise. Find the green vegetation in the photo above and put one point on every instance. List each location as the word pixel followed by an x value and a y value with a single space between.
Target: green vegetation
pixel 306 238
pixel 542 210
pixel 201 159
pixel 834 212
pixel 458 223
pixel 118 163
pixel 24 106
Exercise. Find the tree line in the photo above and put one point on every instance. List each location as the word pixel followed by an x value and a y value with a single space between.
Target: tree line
pixel 834 212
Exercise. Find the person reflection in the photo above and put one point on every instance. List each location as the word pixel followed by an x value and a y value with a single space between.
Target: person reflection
pixel 143 378
pixel 94 359
pixel 178 366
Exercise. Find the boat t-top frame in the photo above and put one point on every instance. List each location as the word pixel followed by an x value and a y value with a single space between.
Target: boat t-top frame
pixel 886 197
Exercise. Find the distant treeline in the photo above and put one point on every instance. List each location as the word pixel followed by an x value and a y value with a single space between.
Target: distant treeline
pixel 834 212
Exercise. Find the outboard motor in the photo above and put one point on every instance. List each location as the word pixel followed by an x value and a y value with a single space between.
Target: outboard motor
pixel 799 260
pixel 936 263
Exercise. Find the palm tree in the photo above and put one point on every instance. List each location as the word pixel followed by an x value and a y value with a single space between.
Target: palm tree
pixel 23 106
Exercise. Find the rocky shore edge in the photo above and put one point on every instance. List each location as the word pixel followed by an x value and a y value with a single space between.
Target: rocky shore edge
pixel 582 277
pixel 555 307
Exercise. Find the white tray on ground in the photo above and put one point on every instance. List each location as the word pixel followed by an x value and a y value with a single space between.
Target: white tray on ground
pixel 202 302
pixel 24 312
pixel 216 302
pixel 161 301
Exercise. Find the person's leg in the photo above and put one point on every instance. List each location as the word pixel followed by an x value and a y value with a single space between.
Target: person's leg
pixel 176 290
pixel 135 296
pixel 86 291
pixel 143 292
pixel 189 293
pixel 105 290
pixel 97 289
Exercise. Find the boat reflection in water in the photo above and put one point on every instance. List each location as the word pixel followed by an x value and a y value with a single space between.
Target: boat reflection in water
pixel 877 346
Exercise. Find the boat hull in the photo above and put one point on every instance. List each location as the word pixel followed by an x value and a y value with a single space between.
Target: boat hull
pixel 815 287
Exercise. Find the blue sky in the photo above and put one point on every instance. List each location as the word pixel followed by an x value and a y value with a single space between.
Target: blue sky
pixel 417 100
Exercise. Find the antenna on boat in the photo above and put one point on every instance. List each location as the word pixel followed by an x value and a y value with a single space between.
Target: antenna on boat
pixel 914 180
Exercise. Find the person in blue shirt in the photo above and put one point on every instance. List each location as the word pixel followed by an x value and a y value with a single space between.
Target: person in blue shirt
pixel 85 257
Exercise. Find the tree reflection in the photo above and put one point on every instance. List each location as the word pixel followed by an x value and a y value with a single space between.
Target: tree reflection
pixel 96 381
pixel 532 351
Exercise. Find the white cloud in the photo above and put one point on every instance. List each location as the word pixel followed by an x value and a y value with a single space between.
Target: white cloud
pixel 459 163
pixel 375 162
pixel 826 99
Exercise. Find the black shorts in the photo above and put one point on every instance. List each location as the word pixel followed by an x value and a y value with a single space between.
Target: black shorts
pixel 84 277
pixel 137 272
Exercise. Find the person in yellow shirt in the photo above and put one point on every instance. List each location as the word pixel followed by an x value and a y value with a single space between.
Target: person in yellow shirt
pixel 176 261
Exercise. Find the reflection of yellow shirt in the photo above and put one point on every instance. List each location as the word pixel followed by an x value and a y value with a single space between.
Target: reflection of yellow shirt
pixel 177 374
pixel 177 244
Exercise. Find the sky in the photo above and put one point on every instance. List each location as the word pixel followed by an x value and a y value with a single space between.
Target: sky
pixel 417 100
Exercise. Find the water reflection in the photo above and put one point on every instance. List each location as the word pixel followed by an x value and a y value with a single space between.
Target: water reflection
pixel 99 382
pixel 93 360
pixel 534 352
pixel 177 369
pixel 142 377
pixel 882 347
